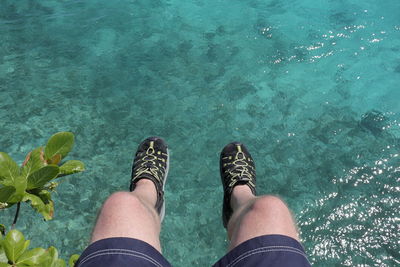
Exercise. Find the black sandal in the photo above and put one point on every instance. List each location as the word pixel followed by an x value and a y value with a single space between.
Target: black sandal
pixel 152 162
pixel 236 168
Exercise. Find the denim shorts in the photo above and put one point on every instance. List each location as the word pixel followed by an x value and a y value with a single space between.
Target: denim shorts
pixel 267 250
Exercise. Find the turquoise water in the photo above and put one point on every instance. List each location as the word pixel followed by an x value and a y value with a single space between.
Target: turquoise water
pixel 311 87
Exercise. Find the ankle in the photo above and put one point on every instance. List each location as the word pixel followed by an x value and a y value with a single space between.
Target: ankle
pixel 146 191
pixel 145 182
pixel 241 195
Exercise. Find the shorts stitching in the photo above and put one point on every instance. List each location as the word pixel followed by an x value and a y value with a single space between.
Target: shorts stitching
pixel 275 247
pixel 117 250
pixel 278 247
pixel 266 249
pixel 122 252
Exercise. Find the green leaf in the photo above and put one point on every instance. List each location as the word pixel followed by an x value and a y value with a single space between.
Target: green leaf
pixel 73 259
pixel 3 257
pixel 53 260
pixel 14 245
pixel 33 162
pixel 70 167
pixel 6 192
pixel 26 245
pixel 60 143
pixel 53 254
pixel 33 257
pixel 3 264
pixel 46 209
pixel 9 170
pixel 45 196
pixel 56 159
pixel 42 176
pixel 20 186
pixel 59 263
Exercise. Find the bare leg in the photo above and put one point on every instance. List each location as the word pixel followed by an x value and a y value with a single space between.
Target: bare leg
pixel 130 214
pixel 255 216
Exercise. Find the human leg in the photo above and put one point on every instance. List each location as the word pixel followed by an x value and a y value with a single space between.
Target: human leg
pixel 261 229
pixel 130 214
pixel 256 216
pixel 128 226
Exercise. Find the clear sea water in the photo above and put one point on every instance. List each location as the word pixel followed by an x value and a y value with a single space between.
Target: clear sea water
pixel 312 88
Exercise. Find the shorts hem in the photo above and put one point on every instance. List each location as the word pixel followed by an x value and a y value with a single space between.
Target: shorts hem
pixel 121 251
pixel 266 250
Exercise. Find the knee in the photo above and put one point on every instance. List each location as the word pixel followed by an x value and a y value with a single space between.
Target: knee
pixel 123 200
pixel 265 216
pixel 267 205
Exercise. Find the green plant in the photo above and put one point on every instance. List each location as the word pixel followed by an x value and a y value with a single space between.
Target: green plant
pixel 33 182
pixel 14 252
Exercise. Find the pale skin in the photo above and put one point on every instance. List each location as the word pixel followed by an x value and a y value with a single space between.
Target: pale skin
pixel 132 214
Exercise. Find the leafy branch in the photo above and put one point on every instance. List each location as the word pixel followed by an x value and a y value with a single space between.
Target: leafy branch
pixel 14 252
pixel 33 182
